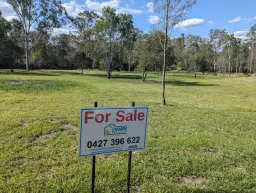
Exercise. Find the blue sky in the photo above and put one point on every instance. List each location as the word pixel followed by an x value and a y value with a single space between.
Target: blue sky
pixel 236 16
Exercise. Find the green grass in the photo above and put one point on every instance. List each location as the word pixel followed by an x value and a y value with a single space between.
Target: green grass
pixel 204 140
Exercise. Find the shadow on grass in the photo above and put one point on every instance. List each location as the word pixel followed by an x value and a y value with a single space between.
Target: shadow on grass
pixel 103 75
pixel 64 72
pixel 117 76
pixel 41 73
pixel 185 75
pixel 139 77
pixel 192 76
pixel 182 83
pixel 31 73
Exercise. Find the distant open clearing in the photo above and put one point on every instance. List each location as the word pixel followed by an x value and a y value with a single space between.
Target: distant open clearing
pixel 204 140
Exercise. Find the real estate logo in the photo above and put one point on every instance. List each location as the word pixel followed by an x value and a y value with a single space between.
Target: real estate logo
pixel 113 129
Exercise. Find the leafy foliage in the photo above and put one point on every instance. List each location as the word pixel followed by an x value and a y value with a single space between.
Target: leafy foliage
pixel 111 42
pixel 42 15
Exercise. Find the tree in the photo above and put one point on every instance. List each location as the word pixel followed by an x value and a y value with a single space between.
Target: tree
pixel 127 38
pixel 84 30
pixel 80 58
pixel 110 42
pixel 17 32
pixel 5 27
pixel 243 55
pixel 174 13
pixel 193 42
pixel 178 45
pixel 236 46
pixel 118 32
pixel 106 28
pixel 192 53
pixel 252 37
pixel 207 51
pixel 37 14
pixel 214 39
pixel 226 41
pixel 10 51
pixel 148 53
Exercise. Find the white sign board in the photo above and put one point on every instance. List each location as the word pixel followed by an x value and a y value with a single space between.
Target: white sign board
pixel 109 130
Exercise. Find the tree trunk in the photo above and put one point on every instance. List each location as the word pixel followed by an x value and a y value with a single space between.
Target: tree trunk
pixel 236 64
pixel 214 62
pixel 163 81
pixel 110 59
pixel 165 48
pixel 214 66
pixel 144 75
pixel 27 53
pixel 229 62
pixel 251 59
pixel 240 67
pixel 109 74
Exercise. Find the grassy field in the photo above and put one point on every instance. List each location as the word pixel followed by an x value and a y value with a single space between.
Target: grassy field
pixel 203 141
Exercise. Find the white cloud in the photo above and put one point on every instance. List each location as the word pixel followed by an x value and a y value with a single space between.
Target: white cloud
pixel 150 6
pixel 242 19
pixel 62 30
pixel 7 11
pixel 153 20
pixel 99 5
pixel 73 8
pixel 211 22
pixel 241 34
pixel 11 17
pixel 235 20
pixel 129 11
pixel 57 31
pixel 189 23
pixel 247 20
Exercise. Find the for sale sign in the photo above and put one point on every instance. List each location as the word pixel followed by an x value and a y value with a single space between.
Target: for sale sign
pixel 109 130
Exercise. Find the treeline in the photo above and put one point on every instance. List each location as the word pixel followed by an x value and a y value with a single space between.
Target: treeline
pixel 111 42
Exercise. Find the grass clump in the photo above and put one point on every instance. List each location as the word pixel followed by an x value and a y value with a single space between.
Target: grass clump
pixel 34 85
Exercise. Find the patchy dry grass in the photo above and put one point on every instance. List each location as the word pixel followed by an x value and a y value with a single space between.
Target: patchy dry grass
pixel 192 181
pixel 204 140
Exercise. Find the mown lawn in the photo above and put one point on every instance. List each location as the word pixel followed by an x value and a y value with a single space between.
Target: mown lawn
pixel 203 141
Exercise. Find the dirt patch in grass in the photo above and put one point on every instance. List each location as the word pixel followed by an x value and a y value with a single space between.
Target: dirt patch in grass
pixel 55 121
pixel 14 83
pixel 34 85
pixel 24 123
pixel 209 149
pixel 70 127
pixel 41 136
pixel 240 169
pixel 192 181
pixel 19 161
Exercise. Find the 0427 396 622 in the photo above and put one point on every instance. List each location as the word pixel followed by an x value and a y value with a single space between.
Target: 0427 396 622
pixel 113 142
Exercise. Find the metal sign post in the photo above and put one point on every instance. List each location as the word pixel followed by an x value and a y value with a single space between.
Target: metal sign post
pixel 94 162
pixel 129 166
